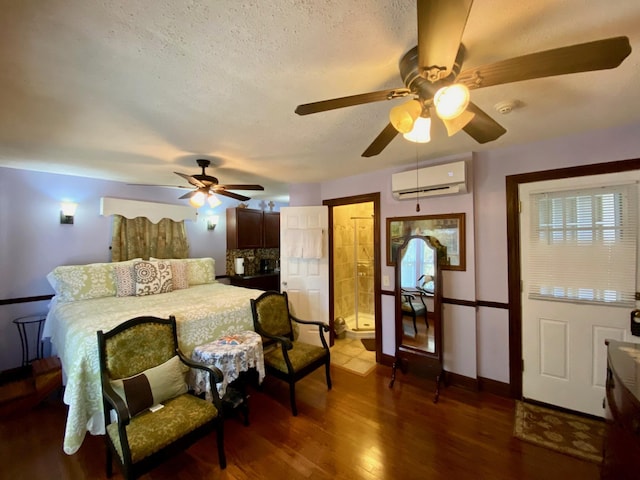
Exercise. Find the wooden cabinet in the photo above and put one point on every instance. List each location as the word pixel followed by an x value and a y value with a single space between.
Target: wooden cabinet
pixel 248 228
pixel 622 440
pixel 267 281
pixel 271 229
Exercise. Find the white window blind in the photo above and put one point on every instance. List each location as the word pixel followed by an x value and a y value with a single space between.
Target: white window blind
pixel 583 245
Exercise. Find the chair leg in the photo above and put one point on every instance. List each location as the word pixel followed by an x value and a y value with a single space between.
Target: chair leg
pixel 292 397
pixel 415 327
pixel 220 439
pixel 109 464
pixel 328 372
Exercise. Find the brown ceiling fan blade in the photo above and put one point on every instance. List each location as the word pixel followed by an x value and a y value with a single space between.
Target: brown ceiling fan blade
pixel 381 141
pixel 240 187
pixel 233 195
pixel 584 57
pixel 324 105
pixel 440 27
pixel 482 127
pixel 193 181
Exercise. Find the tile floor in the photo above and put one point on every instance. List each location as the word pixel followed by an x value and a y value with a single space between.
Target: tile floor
pixel 350 354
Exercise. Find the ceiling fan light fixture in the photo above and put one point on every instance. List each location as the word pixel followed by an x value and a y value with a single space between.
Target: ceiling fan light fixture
pixel 451 101
pixel 403 117
pixel 197 199
pixel 421 132
pixel 213 201
pixel 456 124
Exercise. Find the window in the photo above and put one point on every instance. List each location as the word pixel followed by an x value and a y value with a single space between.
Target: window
pixel 583 245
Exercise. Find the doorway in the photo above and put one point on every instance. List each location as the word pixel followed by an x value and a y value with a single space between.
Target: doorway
pixel 354 270
pixel 514 255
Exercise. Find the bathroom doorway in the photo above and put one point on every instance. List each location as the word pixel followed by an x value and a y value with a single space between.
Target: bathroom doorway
pixel 354 271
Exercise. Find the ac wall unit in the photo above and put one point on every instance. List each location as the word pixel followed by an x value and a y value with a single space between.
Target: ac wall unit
pixel 443 179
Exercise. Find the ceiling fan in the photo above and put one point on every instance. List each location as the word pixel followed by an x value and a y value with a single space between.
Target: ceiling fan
pixel 206 187
pixel 431 73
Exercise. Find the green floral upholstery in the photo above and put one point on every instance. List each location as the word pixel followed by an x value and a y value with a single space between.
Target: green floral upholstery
pixel 149 432
pixel 284 357
pixel 301 355
pixel 139 348
pixel 273 315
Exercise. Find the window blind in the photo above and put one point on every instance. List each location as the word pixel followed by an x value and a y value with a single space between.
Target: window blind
pixel 583 245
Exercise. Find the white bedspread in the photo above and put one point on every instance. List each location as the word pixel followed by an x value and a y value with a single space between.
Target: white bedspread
pixel 203 313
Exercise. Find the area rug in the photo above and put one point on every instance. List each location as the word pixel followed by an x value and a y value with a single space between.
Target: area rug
pixel 369 344
pixel 559 431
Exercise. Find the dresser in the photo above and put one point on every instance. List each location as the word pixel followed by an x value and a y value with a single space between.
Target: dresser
pixel 622 441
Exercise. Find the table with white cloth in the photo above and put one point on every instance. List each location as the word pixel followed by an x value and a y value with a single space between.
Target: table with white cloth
pixel 232 354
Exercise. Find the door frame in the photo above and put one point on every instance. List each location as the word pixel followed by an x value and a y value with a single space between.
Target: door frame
pixel 364 198
pixel 513 250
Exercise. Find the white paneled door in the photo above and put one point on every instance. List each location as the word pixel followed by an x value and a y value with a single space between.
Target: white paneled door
pixel 563 347
pixel 306 280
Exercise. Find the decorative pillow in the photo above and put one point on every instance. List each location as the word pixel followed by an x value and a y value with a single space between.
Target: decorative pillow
pixel 201 270
pixel 82 282
pixel 125 279
pixel 179 271
pixel 153 277
pixel 152 386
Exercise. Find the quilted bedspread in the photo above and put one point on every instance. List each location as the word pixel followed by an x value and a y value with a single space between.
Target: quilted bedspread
pixel 203 313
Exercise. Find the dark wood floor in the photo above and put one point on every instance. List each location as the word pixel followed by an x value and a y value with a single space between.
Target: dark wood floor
pixel 359 430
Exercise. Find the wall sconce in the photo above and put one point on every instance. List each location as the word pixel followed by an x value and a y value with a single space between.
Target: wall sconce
pixel 212 221
pixel 67 211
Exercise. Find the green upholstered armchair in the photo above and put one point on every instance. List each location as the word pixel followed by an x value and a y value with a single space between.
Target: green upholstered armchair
pixel 142 368
pixel 291 360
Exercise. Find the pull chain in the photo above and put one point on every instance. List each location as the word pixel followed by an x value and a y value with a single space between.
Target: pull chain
pixel 417 183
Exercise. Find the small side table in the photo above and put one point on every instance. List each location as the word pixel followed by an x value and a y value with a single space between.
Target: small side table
pixel 233 355
pixel 24 324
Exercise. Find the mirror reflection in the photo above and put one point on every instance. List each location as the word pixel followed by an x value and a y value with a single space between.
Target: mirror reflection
pixel 418 264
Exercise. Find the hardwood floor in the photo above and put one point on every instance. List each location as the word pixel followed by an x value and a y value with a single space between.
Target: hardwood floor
pixel 359 430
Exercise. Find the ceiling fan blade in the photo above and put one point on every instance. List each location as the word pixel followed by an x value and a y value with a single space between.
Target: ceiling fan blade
pixel 233 195
pixel 381 141
pixel 584 57
pixel 188 195
pixel 156 185
pixel 193 181
pixel 440 27
pixel 239 187
pixel 482 127
pixel 324 105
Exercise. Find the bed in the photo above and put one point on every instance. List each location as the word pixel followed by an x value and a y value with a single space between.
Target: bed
pixel 94 297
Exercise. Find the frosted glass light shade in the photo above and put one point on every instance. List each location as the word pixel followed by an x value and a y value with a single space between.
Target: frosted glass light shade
pixel 68 208
pixel 402 117
pixel 197 200
pixel 421 132
pixel 451 101
pixel 456 124
pixel 213 201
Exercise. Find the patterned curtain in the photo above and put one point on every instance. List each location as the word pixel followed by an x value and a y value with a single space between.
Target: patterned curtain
pixel 139 238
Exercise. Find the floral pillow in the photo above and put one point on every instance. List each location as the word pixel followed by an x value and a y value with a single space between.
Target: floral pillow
pixel 125 279
pixel 201 270
pixel 153 277
pixel 180 274
pixel 82 282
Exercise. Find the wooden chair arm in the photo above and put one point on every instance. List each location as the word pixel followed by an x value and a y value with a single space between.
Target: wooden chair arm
pixel 115 401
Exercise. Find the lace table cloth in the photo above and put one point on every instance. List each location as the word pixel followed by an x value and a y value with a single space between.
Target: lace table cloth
pixel 232 354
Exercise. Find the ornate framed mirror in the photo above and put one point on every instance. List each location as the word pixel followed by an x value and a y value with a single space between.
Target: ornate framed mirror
pixel 418 294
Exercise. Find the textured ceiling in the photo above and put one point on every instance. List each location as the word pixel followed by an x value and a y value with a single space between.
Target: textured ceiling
pixel 132 90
